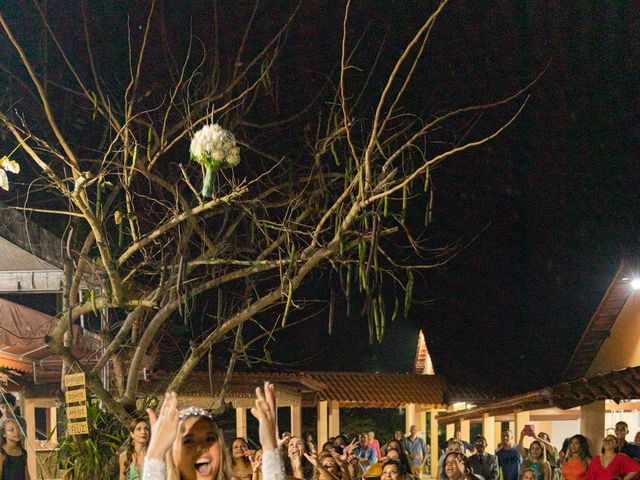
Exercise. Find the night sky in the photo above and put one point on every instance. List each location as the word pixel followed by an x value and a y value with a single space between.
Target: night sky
pixel 546 211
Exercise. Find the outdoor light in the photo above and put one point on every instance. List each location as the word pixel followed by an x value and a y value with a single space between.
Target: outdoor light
pixel 636 284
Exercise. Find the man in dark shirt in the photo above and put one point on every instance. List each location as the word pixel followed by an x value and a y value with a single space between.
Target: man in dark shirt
pixel 630 449
pixel 483 463
pixel 508 457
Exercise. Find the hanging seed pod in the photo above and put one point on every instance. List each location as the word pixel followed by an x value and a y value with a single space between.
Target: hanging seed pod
pixel 408 294
pixel 382 316
pixel 427 177
pixel 335 154
pixel 347 292
pixel 386 207
pixel 396 307
pixel 376 318
pixel 288 305
pixel 219 306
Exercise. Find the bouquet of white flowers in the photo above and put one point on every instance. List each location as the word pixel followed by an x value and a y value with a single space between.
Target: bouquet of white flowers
pixel 215 148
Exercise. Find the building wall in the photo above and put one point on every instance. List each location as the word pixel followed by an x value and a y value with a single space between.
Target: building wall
pixel 622 348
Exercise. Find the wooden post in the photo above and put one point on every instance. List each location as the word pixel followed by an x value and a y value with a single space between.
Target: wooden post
pixel 521 419
pixel 465 431
pixel 334 419
pixel 29 413
pixel 450 428
pixel 592 424
pixel 433 441
pixel 409 416
pixel 241 422
pixel 322 423
pixel 296 420
pixel 489 431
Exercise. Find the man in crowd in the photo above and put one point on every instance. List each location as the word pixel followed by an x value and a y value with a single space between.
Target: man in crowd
pixel 630 449
pixel 483 463
pixel 416 450
pixel 364 453
pixel 509 459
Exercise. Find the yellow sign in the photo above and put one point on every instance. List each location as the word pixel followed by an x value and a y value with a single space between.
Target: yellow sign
pixel 74 380
pixel 77 428
pixel 73 396
pixel 77 412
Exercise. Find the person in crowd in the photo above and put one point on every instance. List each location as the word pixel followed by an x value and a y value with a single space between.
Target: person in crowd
pixel 536 461
pixel 256 465
pixel 456 467
pixel 416 450
pixel 611 463
pixel 399 456
pixel 452 446
pixel 373 443
pixel 340 442
pixel 327 447
pixel 364 453
pixel 241 467
pixel 296 464
pixel 576 458
pixel 551 453
pixel 509 459
pixel 636 439
pixel 193 444
pixel 630 449
pixel 13 456
pixel 467 447
pixel 310 444
pixel 398 437
pixel 393 470
pixel 528 474
pixel 8 410
pixel 132 459
pixel 482 462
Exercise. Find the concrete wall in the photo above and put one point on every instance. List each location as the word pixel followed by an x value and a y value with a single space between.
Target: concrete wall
pixel 622 348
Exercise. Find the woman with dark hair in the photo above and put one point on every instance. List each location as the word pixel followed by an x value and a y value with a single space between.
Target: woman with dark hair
pixel 393 470
pixel 457 468
pixel 576 459
pixel 612 464
pixel 240 463
pixel 132 459
pixel 296 464
pixel 536 460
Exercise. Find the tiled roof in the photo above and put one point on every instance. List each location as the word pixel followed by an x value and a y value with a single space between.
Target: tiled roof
pixel 366 390
pixel 600 325
pixel 615 385
pixel 379 390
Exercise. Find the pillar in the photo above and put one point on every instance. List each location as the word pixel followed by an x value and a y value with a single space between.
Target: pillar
pixel 53 425
pixel 409 416
pixel 489 431
pixel 334 419
pixel 29 413
pixel 498 435
pixel 451 431
pixel 296 420
pixel 521 419
pixel 322 423
pixel 241 422
pixel 433 443
pixel 592 424
pixel 465 431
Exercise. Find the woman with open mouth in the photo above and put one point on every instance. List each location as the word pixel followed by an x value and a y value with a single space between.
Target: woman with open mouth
pixel 189 445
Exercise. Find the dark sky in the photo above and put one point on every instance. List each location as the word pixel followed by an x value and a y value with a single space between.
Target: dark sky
pixel 548 209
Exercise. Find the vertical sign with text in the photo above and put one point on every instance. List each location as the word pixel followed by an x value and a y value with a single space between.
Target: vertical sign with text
pixel 76 400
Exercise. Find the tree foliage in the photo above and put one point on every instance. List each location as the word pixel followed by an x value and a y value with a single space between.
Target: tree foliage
pixel 333 175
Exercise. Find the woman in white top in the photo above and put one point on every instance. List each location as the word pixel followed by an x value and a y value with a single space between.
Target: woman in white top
pixel 193 445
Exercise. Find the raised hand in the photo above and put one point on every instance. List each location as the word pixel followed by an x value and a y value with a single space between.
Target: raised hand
pixel 265 413
pixel 313 459
pixel 164 427
pixel 461 462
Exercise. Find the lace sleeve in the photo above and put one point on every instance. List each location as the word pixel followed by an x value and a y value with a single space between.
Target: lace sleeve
pixel 272 468
pixel 154 470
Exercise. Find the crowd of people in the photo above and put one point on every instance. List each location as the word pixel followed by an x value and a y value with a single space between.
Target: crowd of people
pixel 188 445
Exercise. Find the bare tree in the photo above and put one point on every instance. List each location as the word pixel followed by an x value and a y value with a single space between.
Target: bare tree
pixel 144 234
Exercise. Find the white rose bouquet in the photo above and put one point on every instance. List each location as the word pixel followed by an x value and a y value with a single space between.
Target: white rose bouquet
pixel 215 148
